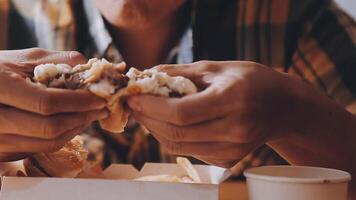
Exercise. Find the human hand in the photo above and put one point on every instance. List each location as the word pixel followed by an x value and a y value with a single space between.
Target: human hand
pixel 38 119
pixel 241 106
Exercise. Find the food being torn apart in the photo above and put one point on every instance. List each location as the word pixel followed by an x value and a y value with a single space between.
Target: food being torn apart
pixel 108 80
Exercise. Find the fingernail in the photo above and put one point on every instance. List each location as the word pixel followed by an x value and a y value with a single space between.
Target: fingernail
pixel 145 130
pixel 104 114
pixel 134 105
pixel 99 103
pixel 102 104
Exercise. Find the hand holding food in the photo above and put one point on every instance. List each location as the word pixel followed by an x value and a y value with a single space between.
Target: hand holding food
pixel 235 113
pixel 107 80
pixel 38 119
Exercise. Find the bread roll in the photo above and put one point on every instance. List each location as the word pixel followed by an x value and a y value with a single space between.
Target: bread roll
pixel 68 162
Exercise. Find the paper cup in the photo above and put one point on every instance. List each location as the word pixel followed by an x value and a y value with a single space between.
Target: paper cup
pixel 296 183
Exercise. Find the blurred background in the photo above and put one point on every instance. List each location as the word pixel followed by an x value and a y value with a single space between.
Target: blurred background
pixel 349 6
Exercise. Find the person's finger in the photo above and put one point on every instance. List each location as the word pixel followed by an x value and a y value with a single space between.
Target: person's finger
pixel 15 143
pixel 203 106
pixel 32 125
pixel 225 163
pixel 191 70
pixel 35 56
pixel 52 100
pixel 34 98
pixel 196 72
pixel 8 157
pixel 71 58
pixel 210 131
pixel 187 70
pixel 215 150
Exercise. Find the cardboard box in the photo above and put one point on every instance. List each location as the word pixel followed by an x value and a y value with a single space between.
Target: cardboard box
pixel 117 183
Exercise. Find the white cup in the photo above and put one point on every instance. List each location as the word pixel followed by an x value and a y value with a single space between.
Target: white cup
pixel 296 183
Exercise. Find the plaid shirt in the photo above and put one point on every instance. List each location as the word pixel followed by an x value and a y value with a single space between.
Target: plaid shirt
pixel 312 40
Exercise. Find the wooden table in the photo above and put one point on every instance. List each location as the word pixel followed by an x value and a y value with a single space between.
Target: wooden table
pixel 233 191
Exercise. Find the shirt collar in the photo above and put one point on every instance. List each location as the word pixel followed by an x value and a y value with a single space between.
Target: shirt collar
pixel 181 53
pixel 185 47
pixel 97 28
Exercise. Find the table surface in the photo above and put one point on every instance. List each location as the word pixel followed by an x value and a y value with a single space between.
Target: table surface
pixel 233 191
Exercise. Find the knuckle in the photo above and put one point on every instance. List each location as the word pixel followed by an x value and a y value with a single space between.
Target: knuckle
pixel 174 148
pixel 51 129
pixel 232 154
pixel 251 63
pixel 223 136
pixel 237 153
pixel 161 67
pixel 175 134
pixel 206 64
pixel 229 152
pixel 77 56
pixel 223 132
pixel 232 133
pixel 36 52
pixel 179 115
pixel 45 104
pixel 202 62
pixel 87 118
pixel 53 146
pixel 241 134
pixel 7 63
pixel 248 137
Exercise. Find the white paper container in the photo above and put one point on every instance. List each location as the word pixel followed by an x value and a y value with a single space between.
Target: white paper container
pixel 116 183
pixel 296 183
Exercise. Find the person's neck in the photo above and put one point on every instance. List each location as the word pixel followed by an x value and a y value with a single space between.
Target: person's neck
pixel 148 47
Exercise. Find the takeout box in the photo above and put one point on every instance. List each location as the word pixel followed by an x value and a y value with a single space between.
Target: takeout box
pixel 116 183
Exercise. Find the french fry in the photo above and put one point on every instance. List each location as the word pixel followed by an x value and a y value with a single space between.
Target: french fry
pixel 192 175
pixel 188 167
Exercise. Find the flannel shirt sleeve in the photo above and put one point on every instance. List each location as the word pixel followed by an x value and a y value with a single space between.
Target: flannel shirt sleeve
pixel 325 55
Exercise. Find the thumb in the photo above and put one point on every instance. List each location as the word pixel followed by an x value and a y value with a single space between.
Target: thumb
pixel 71 58
pixel 190 71
pixel 186 70
pixel 36 56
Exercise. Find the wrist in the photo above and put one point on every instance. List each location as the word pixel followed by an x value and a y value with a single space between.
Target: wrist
pixel 320 132
pixel 297 99
pixel 319 116
pixel 310 112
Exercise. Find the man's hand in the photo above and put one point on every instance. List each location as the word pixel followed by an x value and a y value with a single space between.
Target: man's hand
pixel 38 119
pixel 242 105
